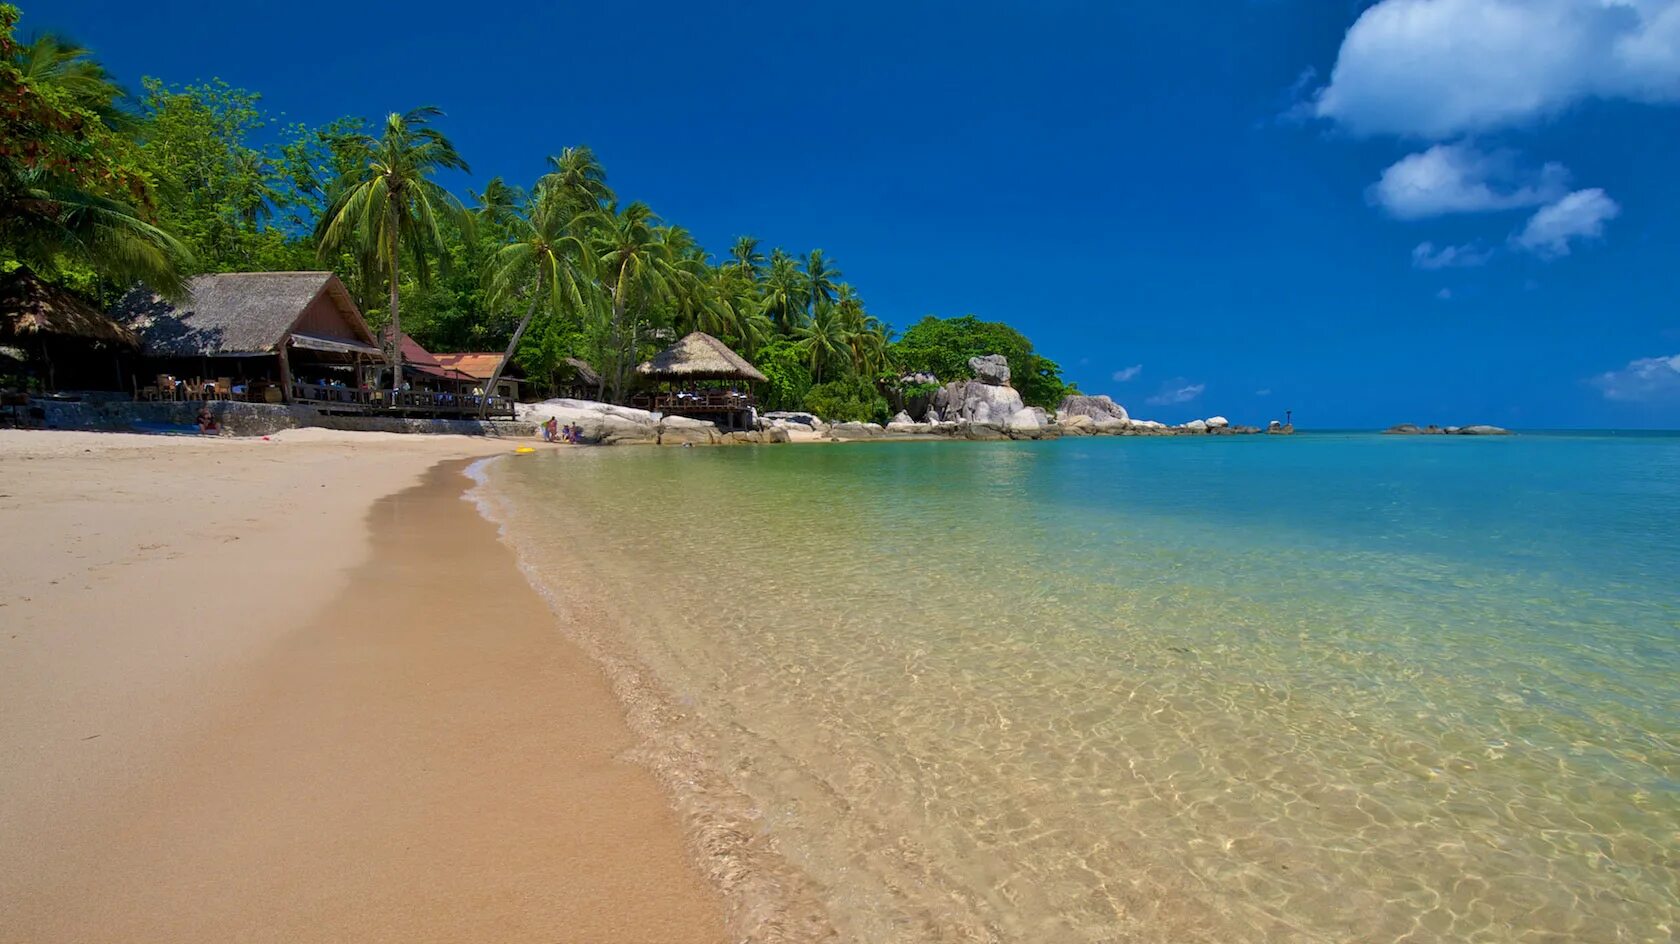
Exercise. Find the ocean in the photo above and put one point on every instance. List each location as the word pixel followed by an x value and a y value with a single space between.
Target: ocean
pixel 1328 687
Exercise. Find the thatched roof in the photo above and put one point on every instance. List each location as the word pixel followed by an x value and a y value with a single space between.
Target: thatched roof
pixel 30 306
pixel 232 313
pixel 699 356
pixel 583 373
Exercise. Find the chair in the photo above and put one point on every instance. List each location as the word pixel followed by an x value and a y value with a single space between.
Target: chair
pixel 165 387
pixel 224 388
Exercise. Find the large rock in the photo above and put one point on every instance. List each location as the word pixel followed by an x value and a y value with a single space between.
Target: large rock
pixel 902 419
pixel 1024 419
pixel 990 369
pixel 1217 422
pixel 1196 426
pixel 1097 408
pixel 844 431
pixel 973 401
pixel 604 423
pixel 684 431
pixel 1483 431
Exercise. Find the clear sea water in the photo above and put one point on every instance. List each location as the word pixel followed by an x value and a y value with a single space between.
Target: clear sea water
pixel 1319 688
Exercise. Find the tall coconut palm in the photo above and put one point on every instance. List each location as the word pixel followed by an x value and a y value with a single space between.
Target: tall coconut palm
pixel 747 257
pixel 549 261
pixel 636 271
pixel 822 340
pixel 822 280
pixel 784 293
pixel 864 335
pixel 575 177
pixel 392 205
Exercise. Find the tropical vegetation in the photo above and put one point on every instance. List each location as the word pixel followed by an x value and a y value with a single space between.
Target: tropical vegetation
pixel 101 188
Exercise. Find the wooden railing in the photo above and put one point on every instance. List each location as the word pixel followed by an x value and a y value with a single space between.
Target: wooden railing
pixel 701 401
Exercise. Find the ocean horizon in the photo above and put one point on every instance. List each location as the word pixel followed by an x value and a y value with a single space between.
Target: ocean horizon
pixel 1326 687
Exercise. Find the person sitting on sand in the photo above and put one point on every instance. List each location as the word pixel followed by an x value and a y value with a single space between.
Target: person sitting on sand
pixel 206 422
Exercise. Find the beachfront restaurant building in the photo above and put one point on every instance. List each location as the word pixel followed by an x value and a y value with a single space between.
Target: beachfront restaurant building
pixel 700 377
pixel 265 337
pixel 54 340
pixel 479 365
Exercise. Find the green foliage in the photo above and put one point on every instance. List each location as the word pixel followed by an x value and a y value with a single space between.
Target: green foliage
pixel 943 346
pixel 789 379
pixel 853 399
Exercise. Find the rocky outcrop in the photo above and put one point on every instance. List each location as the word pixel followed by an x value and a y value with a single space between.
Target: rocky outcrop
pixel 972 401
pixel 1217 422
pixel 901 419
pixel 850 431
pixel 1412 429
pixel 1197 426
pixel 991 369
pixel 1097 408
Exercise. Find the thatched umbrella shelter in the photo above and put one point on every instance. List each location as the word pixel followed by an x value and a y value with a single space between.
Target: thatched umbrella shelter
pixel 585 382
pixel 698 356
pixel 60 334
pixel 700 376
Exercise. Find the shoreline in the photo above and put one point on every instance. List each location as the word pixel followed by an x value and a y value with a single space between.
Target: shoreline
pixel 298 690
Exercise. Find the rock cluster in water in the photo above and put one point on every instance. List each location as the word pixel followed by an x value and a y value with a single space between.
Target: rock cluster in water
pixel 1412 429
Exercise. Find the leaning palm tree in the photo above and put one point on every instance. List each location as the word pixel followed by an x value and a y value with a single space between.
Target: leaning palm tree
pixel 548 261
pixel 575 177
pixel 393 205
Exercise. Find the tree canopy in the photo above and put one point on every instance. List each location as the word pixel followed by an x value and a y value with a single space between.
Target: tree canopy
pixel 100 189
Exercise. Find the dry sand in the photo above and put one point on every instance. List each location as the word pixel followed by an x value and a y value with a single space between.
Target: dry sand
pixel 296 690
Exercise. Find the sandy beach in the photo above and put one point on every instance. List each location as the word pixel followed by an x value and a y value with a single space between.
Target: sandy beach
pixel 296 690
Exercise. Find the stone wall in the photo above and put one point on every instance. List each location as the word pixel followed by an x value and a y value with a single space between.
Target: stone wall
pixel 254 419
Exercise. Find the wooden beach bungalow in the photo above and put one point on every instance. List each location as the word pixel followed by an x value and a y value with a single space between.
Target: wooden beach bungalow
pixel 293 337
pixel 583 381
pixel 432 388
pixel 479 365
pixel 700 376
pixel 55 340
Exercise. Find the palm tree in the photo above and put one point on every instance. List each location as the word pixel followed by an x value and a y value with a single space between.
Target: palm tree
pixel 822 340
pixel 577 178
pixel 865 337
pixel 636 270
pixel 821 279
pixel 393 205
pixel 499 204
pixel 549 259
pixel 747 257
pixel 784 293
pixel 50 216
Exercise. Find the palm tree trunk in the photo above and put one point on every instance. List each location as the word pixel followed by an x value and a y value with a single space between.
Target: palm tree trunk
pixel 513 345
pixel 396 320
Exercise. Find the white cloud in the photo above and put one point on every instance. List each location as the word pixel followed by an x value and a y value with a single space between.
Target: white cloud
pixel 1176 391
pixel 1440 68
pixel 1643 380
pixel 1459 178
pixel 1444 294
pixel 1427 256
pixel 1580 215
pixel 1263 392
pixel 1121 376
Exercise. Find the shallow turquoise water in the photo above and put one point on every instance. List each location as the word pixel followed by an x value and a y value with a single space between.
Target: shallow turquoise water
pixel 1322 688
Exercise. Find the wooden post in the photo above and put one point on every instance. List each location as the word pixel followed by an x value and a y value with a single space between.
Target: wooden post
pixel 285 373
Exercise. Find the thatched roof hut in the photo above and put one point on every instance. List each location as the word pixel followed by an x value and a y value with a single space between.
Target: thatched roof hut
pixel 698 356
pixel 30 307
pixel 583 375
pixel 240 314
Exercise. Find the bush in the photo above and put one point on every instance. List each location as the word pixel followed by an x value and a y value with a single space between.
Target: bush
pixel 853 400
pixel 789 378
pixel 942 346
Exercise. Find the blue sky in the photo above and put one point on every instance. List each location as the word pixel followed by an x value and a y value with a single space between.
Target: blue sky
pixel 1414 210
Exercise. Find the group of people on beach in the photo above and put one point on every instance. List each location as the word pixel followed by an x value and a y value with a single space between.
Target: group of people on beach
pixel 554 432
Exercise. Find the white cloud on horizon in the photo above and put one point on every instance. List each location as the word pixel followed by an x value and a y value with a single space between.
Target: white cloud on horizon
pixel 1122 376
pixel 1440 68
pixel 1444 295
pixel 1429 258
pixel 1460 178
pixel 1176 391
pixel 1579 215
pixel 1263 392
pixel 1641 381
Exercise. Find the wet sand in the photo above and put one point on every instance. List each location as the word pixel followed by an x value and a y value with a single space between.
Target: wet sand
pixel 243 697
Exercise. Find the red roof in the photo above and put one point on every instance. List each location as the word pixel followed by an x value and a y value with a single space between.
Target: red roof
pixel 422 360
